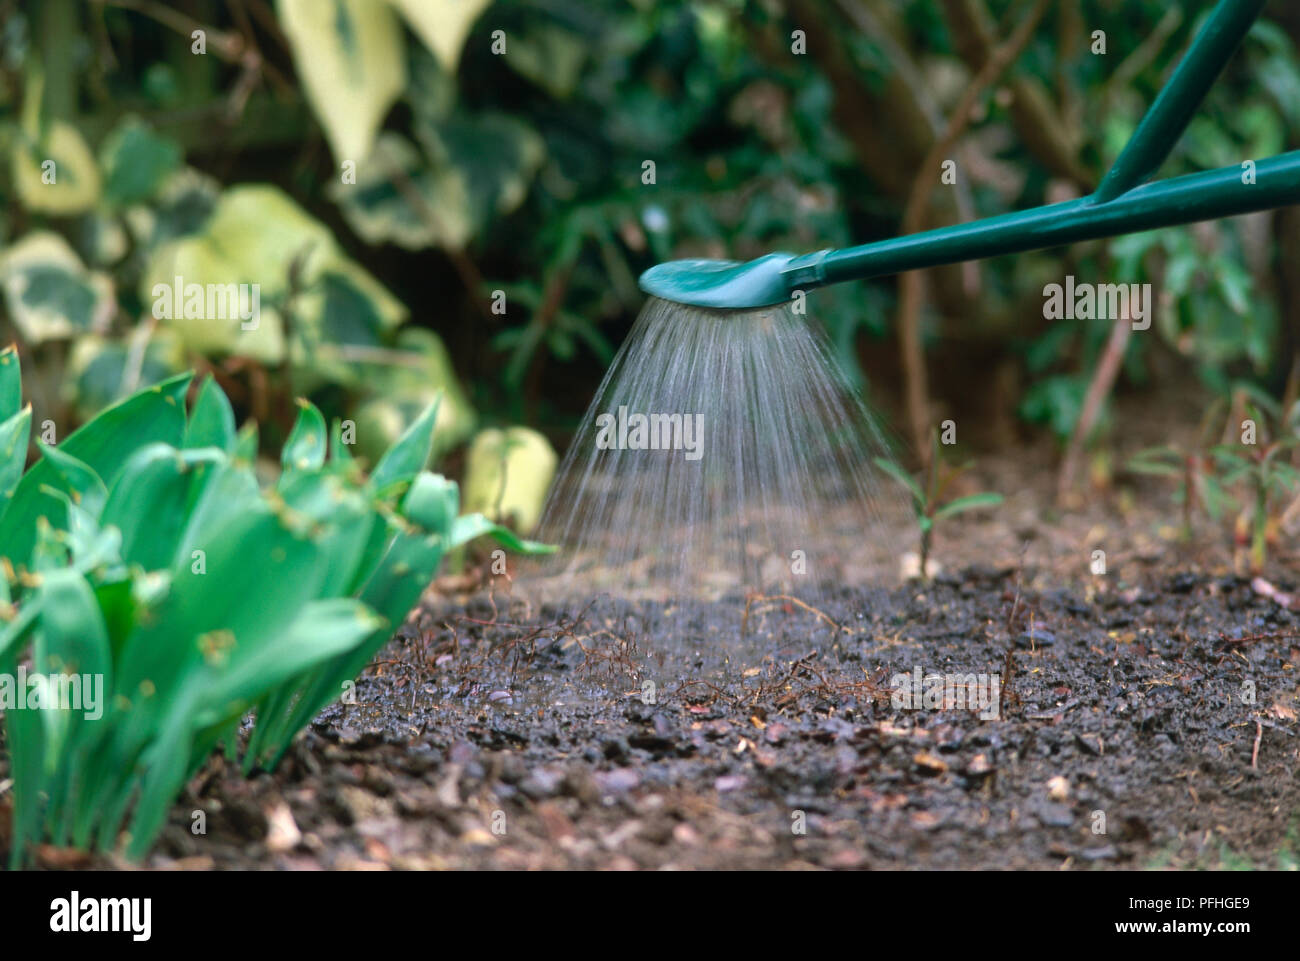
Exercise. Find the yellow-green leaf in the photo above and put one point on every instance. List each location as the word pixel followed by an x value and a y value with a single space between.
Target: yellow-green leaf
pixel 352 63
pixel 50 294
pixel 442 25
pixel 507 475
pixel 58 175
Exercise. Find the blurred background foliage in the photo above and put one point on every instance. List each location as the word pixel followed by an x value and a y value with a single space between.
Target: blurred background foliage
pixel 448 195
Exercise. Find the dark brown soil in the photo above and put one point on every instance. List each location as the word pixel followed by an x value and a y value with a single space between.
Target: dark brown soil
pixel 492 743
pixel 498 734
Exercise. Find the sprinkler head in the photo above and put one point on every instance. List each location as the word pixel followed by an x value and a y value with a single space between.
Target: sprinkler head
pixel 726 284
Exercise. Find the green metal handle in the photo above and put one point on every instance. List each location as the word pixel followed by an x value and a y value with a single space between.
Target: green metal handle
pixel 1165 203
pixel 1119 206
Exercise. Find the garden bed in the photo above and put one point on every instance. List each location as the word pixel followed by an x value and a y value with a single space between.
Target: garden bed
pixel 477 721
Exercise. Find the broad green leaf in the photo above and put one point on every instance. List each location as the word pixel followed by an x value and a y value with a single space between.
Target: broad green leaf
pixel 246 444
pixel 25 737
pixel 72 639
pixel 150 500
pixel 79 480
pixel 257 235
pixel 305 448
pixel 212 421
pixel 470 526
pixel 229 493
pixel 340 447
pixel 336 516
pixel 14 434
pixel 550 56
pixel 253 556
pixel 431 503
pixel 11 382
pixel 391 592
pixel 498 153
pixel 322 630
pixel 136 162
pixel 401 197
pixel 409 454
pixel 155 414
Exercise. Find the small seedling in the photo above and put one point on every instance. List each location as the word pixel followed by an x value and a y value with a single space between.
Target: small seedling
pixel 1192 467
pixel 1267 474
pixel 928 503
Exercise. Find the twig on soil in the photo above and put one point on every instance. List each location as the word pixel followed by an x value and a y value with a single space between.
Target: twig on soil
pixel 1056 714
pixel 751 598
pixel 1008 676
pixel 1252 638
pixel 1254 754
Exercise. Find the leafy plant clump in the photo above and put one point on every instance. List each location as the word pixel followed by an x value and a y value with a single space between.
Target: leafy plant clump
pixel 1255 474
pixel 929 505
pixel 142 558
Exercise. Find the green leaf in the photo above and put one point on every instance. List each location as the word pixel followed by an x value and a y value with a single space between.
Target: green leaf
pixel 136 161
pixel 11 382
pixel 14 434
pixel 82 485
pixel 895 470
pixel 305 448
pixel 409 454
pixel 323 629
pixel 968 503
pixel 72 638
pixel 229 493
pixel 470 526
pixel 246 444
pixel 149 501
pixel 155 414
pixel 212 422
pixel 395 189
pixel 431 503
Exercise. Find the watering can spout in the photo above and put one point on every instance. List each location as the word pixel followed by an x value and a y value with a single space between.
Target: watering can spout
pixel 723 284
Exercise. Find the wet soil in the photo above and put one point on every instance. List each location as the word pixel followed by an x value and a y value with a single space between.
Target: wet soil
pixel 1125 738
pixel 1146 718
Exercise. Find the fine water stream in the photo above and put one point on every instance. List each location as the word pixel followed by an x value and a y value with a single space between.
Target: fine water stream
pixel 723 453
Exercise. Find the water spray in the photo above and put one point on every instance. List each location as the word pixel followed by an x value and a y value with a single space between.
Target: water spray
pixel 783 468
